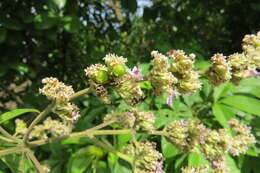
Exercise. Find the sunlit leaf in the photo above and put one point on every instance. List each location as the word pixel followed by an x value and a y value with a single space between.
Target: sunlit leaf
pixel 244 103
pixel 15 113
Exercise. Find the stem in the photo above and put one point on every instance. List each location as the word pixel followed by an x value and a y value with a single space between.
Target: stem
pixel 44 113
pixel 86 133
pixel 79 93
pixel 12 150
pixel 6 134
pixel 160 133
pixel 102 125
pixel 6 139
pixel 202 72
pixel 36 163
pixel 111 149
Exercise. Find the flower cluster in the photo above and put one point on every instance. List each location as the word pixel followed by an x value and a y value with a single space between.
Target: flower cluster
pixel 60 93
pixel 190 136
pixel 238 65
pixel 128 88
pixel 201 169
pixel 160 77
pixel 220 71
pixel 243 138
pixel 134 119
pixel 49 127
pixel 55 90
pixel 115 74
pixel 251 47
pixel 146 158
pixel 182 67
pixel 185 135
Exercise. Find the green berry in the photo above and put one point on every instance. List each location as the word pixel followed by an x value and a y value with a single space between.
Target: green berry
pixel 119 69
pixel 101 77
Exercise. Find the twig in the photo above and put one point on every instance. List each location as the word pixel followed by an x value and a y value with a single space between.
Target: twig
pixel 34 160
pixel 44 113
pixel 6 134
pixel 111 149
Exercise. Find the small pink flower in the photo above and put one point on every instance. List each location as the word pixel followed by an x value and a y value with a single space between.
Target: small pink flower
pixel 172 94
pixel 135 72
pixel 253 72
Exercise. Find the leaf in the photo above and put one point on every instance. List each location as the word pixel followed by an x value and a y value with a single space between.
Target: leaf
pixel 3 35
pixel 231 164
pixel 83 158
pixel 121 167
pixel 196 159
pixel 18 163
pixel 59 3
pixel 168 149
pixel 221 114
pixel 71 24
pixel 222 90
pixel 14 113
pixel 122 140
pixel 44 21
pixel 243 103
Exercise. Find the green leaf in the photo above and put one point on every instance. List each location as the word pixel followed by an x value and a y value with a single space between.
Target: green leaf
pixel 3 35
pixel 59 3
pixel 222 90
pixel 168 149
pixel 14 113
pixel 231 164
pixel 121 168
pixel 122 140
pixel 18 163
pixel 44 21
pixel 196 159
pixel 71 24
pixel 222 114
pixel 244 103
pixel 83 158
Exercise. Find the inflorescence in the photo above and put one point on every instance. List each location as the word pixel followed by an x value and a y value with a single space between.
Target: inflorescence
pixel 173 74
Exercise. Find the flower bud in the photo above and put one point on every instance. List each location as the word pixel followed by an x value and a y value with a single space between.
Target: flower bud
pixel 119 70
pixel 101 77
pixel 98 73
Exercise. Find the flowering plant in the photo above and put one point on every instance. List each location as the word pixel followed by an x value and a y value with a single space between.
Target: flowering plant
pixel 173 75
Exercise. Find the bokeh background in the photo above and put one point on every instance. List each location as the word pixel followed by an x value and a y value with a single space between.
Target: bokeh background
pixel 60 38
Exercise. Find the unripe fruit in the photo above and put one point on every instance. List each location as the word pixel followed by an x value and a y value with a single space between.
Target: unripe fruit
pixel 101 77
pixel 119 69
